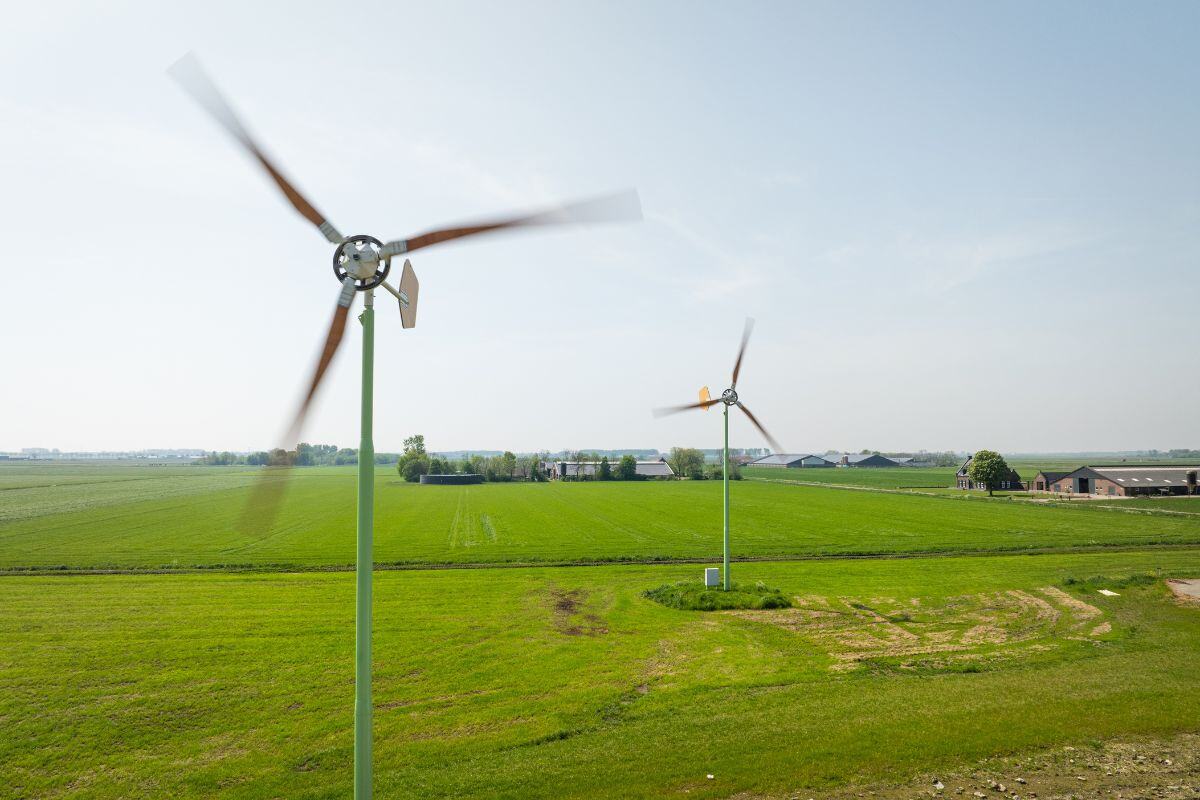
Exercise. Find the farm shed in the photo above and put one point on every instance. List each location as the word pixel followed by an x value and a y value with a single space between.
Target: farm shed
pixel 1125 481
pixel 963 478
pixel 790 461
pixel 861 460
pixel 1044 480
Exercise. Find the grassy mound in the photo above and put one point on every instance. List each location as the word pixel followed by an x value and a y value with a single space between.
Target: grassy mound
pixel 1110 582
pixel 695 596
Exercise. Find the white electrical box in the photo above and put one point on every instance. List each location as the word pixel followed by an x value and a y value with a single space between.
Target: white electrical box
pixel 712 576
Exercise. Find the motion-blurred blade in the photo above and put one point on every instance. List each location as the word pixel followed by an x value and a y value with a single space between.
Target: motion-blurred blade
pixel 705 396
pixel 620 207
pixel 188 73
pixel 662 412
pixel 267 493
pixel 737 365
pixel 775 446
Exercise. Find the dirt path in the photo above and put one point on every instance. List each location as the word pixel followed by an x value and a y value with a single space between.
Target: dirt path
pixel 1129 769
pixel 1187 589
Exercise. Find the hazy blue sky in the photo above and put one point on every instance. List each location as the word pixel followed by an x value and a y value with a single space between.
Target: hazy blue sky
pixel 958 225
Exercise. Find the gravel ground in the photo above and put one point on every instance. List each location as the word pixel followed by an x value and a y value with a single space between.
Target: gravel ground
pixel 1155 769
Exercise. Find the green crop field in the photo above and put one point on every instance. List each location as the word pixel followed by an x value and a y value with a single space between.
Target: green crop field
pixel 546 681
pixel 194 521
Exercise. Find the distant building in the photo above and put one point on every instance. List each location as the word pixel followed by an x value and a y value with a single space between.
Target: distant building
pixel 1011 481
pixel 575 469
pixel 1121 481
pixel 860 460
pixel 1045 479
pixel 791 461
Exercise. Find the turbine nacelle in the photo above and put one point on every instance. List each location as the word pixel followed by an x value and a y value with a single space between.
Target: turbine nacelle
pixel 361 257
pixel 729 397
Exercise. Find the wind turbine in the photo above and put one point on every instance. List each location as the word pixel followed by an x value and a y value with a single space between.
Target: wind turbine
pixel 728 398
pixel 361 263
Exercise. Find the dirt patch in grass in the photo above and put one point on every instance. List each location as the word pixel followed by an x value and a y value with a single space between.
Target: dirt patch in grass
pixel 953 634
pixel 1186 590
pixel 1129 769
pixel 570 615
pixel 694 596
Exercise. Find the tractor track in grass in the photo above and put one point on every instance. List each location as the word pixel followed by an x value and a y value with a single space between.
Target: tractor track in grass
pixel 64 570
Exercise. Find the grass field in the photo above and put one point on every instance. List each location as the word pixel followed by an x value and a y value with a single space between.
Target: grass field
pixel 195 522
pixel 566 681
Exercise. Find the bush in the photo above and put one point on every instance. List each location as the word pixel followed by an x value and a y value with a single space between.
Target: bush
pixel 695 596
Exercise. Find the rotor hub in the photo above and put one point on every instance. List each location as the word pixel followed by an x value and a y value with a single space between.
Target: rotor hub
pixel 729 397
pixel 361 258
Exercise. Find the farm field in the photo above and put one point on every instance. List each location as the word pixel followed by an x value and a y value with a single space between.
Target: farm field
pixel 566 682
pixel 123 524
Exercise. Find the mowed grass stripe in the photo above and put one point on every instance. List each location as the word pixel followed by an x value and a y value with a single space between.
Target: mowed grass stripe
pixel 556 522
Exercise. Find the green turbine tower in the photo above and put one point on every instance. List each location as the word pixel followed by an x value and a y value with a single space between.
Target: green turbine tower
pixel 728 398
pixel 362 263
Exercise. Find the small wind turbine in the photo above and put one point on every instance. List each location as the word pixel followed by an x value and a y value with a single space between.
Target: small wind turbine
pixel 728 398
pixel 361 263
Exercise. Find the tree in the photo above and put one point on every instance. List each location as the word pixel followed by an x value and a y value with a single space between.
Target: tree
pixel 989 468
pixel 687 462
pixel 606 469
pixel 439 466
pixel 413 468
pixel 507 465
pixel 413 463
pixel 627 468
pixel 304 455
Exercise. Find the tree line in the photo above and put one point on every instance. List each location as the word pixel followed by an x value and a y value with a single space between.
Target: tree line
pixel 305 455
pixel 415 461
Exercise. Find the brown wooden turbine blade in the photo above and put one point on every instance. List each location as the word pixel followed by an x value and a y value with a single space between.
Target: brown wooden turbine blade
pixel 775 446
pixel 662 412
pixel 737 365
pixel 620 207
pixel 188 73
pixel 267 494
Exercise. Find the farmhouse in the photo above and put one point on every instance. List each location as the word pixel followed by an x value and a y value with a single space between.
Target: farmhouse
pixel 1120 481
pixel 791 461
pixel 1012 481
pixel 861 460
pixel 645 469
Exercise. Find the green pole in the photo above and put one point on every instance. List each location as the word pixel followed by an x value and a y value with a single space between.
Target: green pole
pixel 365 563
pixel 725 481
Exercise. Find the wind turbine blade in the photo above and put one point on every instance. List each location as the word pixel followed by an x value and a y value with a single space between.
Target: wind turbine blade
pixel 737 365
pixel 267 493
pixel 775 446
pixel 620 207
pixel 662 412
pixel 188 73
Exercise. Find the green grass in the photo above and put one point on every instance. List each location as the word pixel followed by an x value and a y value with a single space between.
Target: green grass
pixel 163 517
pixel 487 685
pixel 695 596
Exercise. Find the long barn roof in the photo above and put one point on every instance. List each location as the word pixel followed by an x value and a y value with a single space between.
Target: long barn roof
pixel 1153 477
